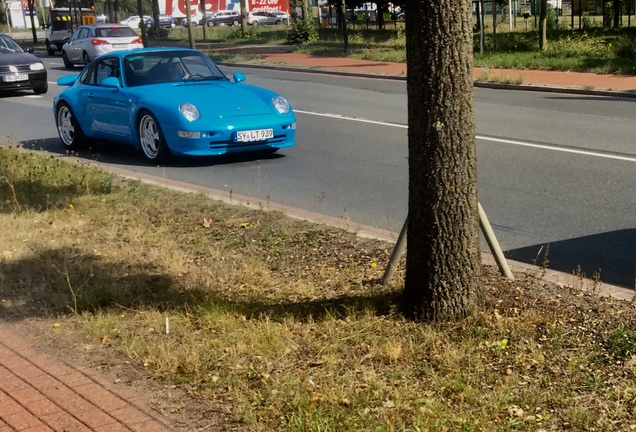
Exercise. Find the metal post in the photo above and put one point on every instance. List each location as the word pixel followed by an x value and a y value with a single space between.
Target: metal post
pixel 398 250
pixel 486 229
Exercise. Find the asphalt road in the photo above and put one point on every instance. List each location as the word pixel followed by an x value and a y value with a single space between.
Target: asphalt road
pixel 555 171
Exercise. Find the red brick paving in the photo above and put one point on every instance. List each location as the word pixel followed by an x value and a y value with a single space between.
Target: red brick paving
pixel 525 77
pixel 39 393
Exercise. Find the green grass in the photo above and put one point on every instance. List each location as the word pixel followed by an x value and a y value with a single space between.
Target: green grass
pixel 591 50
pixel 284 322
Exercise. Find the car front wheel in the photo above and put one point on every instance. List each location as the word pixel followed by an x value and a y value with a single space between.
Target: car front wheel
pixel 41 89
pixel 235 22
pixel 68 128
pixel 49 49
pixel 151 139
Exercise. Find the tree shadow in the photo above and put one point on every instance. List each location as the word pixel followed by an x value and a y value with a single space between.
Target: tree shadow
pixel 610 255
pixel 70 281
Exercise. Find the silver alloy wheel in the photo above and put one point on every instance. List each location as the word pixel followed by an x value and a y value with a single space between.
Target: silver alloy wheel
pixel 149 136
pixel 65 125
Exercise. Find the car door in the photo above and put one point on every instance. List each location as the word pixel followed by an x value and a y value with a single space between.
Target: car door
pixel 108 108
pixel 75 46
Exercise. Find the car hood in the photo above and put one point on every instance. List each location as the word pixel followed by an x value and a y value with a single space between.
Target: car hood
pixel 22 58
pixel 221 98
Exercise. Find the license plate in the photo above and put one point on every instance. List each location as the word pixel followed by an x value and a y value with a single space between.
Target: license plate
pixel 14 78
pixel 120 45
pixel 254 135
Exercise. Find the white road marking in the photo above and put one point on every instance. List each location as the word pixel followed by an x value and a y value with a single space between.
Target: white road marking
pixel 485 138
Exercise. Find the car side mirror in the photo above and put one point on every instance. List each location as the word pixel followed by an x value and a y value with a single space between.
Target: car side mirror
pixel 111 82
pixel 238 77
pixel 29 50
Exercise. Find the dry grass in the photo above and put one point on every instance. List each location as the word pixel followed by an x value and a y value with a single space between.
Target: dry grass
pixel 284 321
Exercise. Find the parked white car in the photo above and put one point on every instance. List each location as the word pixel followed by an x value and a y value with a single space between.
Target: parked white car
pixel 92 40
pixel 133 21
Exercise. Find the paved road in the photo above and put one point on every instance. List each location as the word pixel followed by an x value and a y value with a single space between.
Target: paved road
pixel 554 169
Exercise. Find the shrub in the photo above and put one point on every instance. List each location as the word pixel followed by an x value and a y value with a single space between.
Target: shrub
pixel 301 32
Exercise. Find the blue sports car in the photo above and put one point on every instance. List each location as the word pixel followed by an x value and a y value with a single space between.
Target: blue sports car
pixel 170 101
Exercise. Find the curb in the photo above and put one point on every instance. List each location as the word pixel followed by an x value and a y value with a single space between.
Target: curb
pixel 627 94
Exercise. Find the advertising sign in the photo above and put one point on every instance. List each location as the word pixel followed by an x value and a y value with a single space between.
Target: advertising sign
pixel 177 8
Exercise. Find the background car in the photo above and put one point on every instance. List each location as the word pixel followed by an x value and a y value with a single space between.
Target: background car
pixel 263 18
pixel 170 101
pixel 284 16
pixel 224 17
pixel 166 21
pixel 197 19
pixel 134 20
pixel 19 69
pixel 92 40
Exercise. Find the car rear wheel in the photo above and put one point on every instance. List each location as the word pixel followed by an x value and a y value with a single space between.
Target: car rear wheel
pixel 235 22
pixel 85 58
pixel 254 23
pixel 67 63
pixel 151 139
pixel 68 128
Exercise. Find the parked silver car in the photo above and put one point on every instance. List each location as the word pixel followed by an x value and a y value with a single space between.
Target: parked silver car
pixel 263 18
pixel 92 40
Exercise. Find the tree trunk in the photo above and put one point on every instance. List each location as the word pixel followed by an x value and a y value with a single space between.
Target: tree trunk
pixel 443 264
pixel 543 27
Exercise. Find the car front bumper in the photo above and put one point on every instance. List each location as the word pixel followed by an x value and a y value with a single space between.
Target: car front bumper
pixel 35 80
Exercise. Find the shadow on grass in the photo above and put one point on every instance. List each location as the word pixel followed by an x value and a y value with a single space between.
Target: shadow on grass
pixel 69 280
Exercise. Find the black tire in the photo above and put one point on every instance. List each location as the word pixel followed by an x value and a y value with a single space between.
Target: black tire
pixel 41 89
pixel 255 23
pixel 276 22
pixel 151 139
pixel 236 22
pixel 67 63
pixel 49 49
pixel 85 58
pixel 68 127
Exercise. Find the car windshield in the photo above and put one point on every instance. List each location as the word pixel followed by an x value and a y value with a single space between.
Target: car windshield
pixel 169 66
pixel 8 45
pixel 114 32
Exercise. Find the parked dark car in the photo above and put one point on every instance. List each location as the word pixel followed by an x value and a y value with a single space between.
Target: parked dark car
pixel 19 69
pixel 166 21
pixel 224 17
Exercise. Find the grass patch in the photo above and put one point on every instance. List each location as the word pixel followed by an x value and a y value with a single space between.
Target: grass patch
pixel 284 322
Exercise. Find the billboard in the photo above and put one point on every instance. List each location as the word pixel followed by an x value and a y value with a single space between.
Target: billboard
pixel 177 8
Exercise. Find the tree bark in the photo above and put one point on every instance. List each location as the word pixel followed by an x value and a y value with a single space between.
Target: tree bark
pixel 443 263
pixel 543 25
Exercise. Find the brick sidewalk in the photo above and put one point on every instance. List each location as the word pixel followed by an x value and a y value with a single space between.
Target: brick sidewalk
pixel 39 393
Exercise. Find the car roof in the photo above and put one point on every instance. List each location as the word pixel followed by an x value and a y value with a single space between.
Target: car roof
pixel 124 53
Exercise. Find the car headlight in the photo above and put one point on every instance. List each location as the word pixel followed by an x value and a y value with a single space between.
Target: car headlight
pixel 281 104
pixel 37 66
pixel 189 111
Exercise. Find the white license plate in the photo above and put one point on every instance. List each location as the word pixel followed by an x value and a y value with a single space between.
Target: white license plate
pixel 120 45
pixel 14 78
pixel 254 135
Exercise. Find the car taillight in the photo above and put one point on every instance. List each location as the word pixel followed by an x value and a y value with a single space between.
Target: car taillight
pixel 99 42
pixel 138 40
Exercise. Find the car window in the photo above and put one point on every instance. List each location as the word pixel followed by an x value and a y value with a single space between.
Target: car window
pixel 8 45
pixel 107 68
pixel 158 67
pixel 88 75
pixel 114 32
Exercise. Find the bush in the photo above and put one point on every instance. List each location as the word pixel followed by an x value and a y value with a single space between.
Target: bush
pixel 302 32
pixel 239 34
